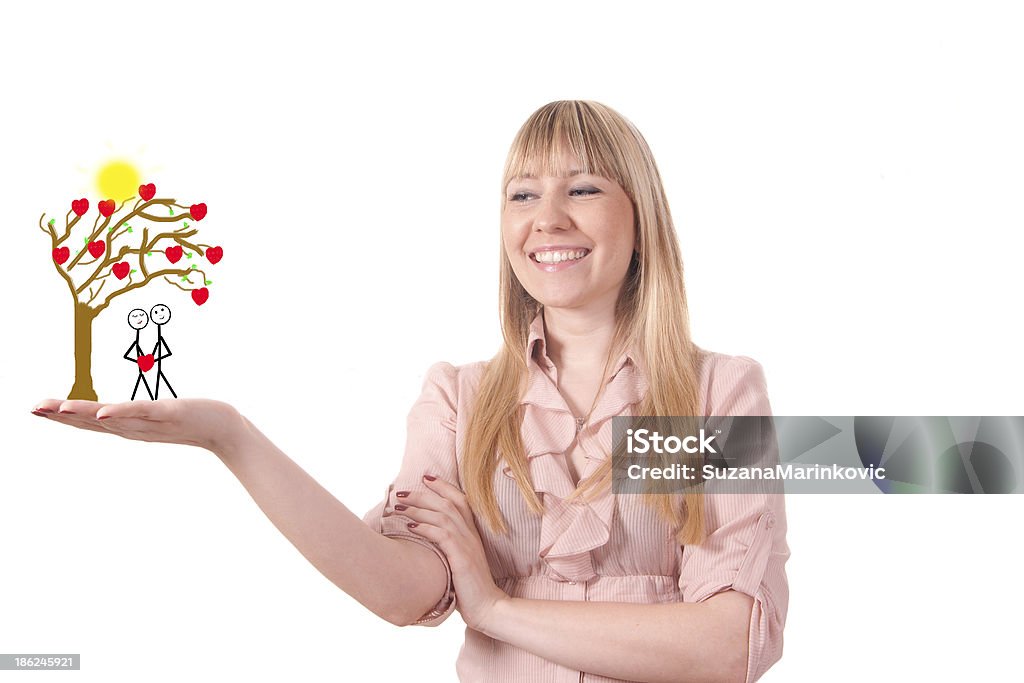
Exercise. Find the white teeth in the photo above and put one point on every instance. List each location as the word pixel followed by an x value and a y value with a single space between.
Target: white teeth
pixel 559 256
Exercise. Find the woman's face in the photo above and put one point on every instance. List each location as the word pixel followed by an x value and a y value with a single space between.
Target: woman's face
pixel 569 239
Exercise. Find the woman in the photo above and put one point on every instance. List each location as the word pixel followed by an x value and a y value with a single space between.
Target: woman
pixel 503 507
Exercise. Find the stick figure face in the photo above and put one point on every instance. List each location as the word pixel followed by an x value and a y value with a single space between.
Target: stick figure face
pixel 137 318
pixel 160 314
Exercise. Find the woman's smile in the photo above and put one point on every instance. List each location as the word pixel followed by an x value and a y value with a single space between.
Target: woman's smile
pixel 554 259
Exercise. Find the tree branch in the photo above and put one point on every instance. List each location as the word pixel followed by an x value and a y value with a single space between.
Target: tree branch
pixel 140 283
pixel 163 219
pixel 68 227
pixel 142 253
pixel 189 245
pixel 109 261
pixel 92 238
pixel 47 230
pixel 96 294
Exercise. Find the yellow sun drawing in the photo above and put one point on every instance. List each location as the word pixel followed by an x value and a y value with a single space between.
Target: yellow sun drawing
pixel 118 180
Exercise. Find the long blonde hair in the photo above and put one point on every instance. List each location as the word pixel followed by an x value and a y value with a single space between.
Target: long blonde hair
pixel 651 313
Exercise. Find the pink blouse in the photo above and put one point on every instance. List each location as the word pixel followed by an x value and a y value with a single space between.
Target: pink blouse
pixel 614 548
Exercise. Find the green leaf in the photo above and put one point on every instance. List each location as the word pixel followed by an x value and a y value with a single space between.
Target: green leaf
pixel 186 224
pixel 77 250
pixel 149 253
pixel 209 282
pixel 51 222
pixel 110 229
pixel 171 209
pixel 85 240
pixel 132 271
pixel 188 254
pixel 129 229
pixel 194 266
pixel 184 277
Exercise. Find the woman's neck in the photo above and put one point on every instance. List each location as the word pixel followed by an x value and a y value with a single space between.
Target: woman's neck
pixel 578 339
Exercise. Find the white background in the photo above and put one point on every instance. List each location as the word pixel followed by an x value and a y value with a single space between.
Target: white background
pixel 846 182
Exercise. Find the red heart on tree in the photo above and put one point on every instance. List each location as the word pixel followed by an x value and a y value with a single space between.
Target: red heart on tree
pixel 147 191
pixel 80 206
pixel 96 248
pixel 145 362
pixel 121 270
pixel 200 296
pixel 106 207
pixel 173 254
pixel 214 254
pixel 197 211
pixel 61 255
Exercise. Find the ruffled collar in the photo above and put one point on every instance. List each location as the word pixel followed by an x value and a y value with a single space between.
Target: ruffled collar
pixel 571 529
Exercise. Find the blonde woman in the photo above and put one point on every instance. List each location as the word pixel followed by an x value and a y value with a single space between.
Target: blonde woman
pixel 503 506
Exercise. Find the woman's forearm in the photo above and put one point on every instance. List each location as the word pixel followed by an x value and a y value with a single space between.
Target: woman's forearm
pixel 676 642
pixel 397 580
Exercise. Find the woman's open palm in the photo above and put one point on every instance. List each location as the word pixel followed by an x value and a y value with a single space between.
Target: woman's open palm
pixel 192 421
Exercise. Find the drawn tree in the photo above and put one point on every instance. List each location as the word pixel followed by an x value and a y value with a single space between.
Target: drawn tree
pixel 108 255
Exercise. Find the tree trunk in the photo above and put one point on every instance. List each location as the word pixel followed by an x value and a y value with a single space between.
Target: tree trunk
pixel 82 389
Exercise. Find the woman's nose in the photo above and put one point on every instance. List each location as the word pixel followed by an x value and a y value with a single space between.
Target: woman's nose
pixel 551 215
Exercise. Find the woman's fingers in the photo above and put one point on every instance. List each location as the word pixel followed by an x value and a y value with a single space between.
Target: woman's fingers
pixel 441 506
pixel 81 414
pixel 79 408
pixel 50 405
pixel 138 429
pixel 451 493
pixel 145 410
pixel 71 420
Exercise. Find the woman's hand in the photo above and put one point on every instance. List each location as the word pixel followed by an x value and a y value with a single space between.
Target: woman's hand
pixel 442 515
pixel 212 425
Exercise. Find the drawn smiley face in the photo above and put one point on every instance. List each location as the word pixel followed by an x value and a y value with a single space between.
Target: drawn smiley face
pixel 137 318
pixel 160 314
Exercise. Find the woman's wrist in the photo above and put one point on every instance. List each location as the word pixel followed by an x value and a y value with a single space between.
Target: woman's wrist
pixel 234 431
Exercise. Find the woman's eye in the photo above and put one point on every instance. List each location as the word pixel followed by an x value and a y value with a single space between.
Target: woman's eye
pixel 519 196
pixel 586 190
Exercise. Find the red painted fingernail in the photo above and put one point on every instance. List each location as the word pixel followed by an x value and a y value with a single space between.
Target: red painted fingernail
pixel 412 525
pixel 429 477
pixel 39 413
pixel 102 417
pixel 42 410
pixel 402 494
pixel 401 507
pixel 67 412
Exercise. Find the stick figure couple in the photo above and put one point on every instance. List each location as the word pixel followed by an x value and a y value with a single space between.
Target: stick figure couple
pixel 137 318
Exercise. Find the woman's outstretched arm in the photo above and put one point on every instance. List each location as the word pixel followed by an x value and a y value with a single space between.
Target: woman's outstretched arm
pixel 394 578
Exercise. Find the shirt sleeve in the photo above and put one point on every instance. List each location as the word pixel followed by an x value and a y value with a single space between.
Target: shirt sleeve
pixel 745 549
pixel 429 449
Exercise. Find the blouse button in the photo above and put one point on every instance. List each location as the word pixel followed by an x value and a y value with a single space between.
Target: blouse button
pixel 771 521
pixel 572 583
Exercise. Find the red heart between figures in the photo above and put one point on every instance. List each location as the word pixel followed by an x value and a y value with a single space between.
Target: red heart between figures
pixel 121 270
pixel 106 207
pixel 197 211
pixel 147 192
pixel 214 254
pixel 145 362
pixel 96 248
pixel 200 296
pixel 173 254
pixel 80 206
pixel 61 255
